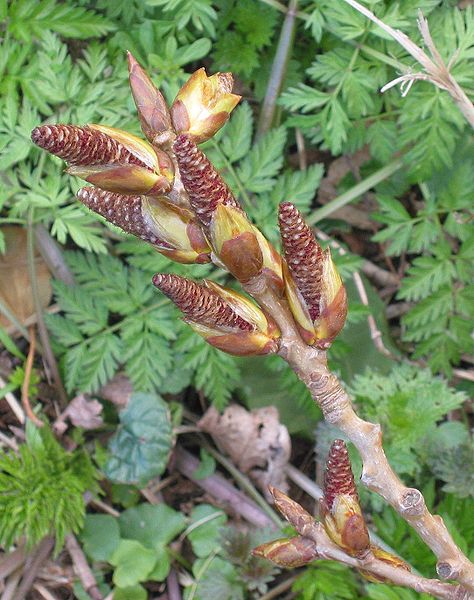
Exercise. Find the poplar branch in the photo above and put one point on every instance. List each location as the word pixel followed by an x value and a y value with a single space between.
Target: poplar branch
pixel 310 364
pixel 327 549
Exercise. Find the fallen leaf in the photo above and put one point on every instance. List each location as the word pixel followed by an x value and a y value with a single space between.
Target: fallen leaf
pixel 256 442
pixel 118 390
pixel 82 412
pixel 15 288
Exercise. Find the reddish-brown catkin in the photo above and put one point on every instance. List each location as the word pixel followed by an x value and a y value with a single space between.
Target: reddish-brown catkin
pixel 81 146
pixel 339 478
pixel 303 254
pixel 200 304
pixel 205 186
pixel 123 211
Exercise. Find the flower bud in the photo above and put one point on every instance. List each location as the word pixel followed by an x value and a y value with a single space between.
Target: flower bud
pixel 238 244
pixel 385 557
pixel 172 230
pixel 314 288
pixel 108 158
pixel 152 109
pixel 340 509
pixel 224 318
pixel 293 512
pixel 203 104
pixel 288 553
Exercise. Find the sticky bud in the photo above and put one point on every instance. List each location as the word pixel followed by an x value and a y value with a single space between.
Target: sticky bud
pixel 238 244
pixel 288 553
pixel 224 318
pixel 340 509
pixel 109 158
pixel 314 288
pixel 203 105
pixel 173 231
pixel 293 512
pixel 152 109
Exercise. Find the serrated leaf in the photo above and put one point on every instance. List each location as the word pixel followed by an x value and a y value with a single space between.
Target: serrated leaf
pixel 259 168
pixel 238 133
pixel 427 274
pixel 27 20
pixel 102 358
pixel 140 448
pixel 89 314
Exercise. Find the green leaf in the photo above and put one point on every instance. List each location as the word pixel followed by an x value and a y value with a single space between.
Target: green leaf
pixel 216 373
pixel 151 525
pixel 27 20
pixel 140 448
pixel 100 536
pixel 427 274
pixel 206 467
pixel 216 580
pixel 89 313
pixel 206 522
pixel 259 168
pixel 133 563
pixel 238 133
pixel 101 361
pixel 10 345
pixel 136 592
pixel 305 98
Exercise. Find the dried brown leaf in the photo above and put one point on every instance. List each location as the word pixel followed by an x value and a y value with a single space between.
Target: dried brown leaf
pixel 256 442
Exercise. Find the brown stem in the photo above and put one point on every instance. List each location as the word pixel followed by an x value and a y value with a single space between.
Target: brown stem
pixel 82 569
pixel 219 487
pixel 32 566
pixel 278 72
pixel 25 397
pixel 52 255
pixel 310 364
pixel 42 330
pixel 172 586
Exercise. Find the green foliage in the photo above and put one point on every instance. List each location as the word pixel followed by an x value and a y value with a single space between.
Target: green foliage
pixel 225 569
pixel 134 543
pixel 440 277
pixel 344 78
pixel 396 400
pixel 449 452
pixel 327 580
pixel 245 28
pixel 140 448
pixel 41 489
pixel 27 20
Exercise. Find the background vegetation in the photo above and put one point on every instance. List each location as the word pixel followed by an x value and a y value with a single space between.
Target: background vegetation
pixel 409 234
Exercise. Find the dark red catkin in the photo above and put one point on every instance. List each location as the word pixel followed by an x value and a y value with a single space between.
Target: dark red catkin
pixel 338 478
pixel 205 187
pixel 81 146
pixel 123 211
pixel 303 255
pixel 200 304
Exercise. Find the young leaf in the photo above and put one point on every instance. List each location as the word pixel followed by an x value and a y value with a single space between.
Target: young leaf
pixel 140 448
